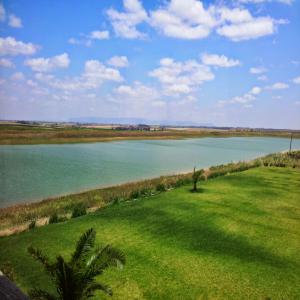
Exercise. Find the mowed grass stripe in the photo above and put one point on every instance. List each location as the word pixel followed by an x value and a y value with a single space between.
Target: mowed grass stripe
pixel 237 238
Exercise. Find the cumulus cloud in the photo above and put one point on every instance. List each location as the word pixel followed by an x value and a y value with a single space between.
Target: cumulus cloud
pixel 95 73
pixel 4 62
pixel 219 60
pixel 296 80
pixel 118 61
pixel 181 77
pixel 262 78
pixel 87 39
pixel 183 19
pixel 252 29
pixel 258 70
pixel 278 86
pixel 10 46
pixel 14 21
pixel 85 42
pixel 42 64
pixel 138 91
pixel 190 19
pixel 99 35
pixel 289 2
pixel 125 23
pixel 245 100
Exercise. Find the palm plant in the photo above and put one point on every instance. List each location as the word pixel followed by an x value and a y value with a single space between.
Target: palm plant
pixel 195 177
pixel 75 279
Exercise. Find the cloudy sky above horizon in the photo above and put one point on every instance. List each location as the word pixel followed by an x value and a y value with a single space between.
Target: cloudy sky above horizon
pixel 227 63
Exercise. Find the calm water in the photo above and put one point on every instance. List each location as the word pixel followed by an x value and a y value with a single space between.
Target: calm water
pixel 31 173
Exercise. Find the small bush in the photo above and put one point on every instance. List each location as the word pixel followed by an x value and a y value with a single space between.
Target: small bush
pixel 161 187
pixel 135 194
pixel 54 219
pixel 79 210
pixel 32 224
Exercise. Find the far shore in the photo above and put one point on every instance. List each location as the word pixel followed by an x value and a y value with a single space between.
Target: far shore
pixel 34 135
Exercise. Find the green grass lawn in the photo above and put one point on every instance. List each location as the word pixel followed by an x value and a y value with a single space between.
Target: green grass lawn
pixel 238 238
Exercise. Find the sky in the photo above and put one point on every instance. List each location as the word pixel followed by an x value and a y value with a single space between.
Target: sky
pixel 222 63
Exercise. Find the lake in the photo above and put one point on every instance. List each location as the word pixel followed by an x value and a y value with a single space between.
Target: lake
pixel 35 172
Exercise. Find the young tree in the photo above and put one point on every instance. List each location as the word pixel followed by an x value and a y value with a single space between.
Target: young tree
pixel 75 279
pixel 196 175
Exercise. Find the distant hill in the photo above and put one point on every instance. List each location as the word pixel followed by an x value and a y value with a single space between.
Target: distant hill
pixel 136 121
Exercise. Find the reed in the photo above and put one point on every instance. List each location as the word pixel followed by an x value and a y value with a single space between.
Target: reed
pixel 101 198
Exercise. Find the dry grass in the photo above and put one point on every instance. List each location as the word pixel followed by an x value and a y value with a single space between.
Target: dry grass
pixel 12 219
pixel 21 134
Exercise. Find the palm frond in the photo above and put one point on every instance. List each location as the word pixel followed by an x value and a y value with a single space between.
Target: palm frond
pixel 38 255
pixel 97 286
pixel 37 294
pixel 103 259
pixel 84 245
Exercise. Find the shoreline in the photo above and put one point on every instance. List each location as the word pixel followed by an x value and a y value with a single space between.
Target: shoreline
pixel 18 135
pixel 120 184
pixel 17 218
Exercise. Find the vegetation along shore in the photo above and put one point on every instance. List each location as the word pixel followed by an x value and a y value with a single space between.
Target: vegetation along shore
pixel 235 237
pixel 17 218
pixel 16 134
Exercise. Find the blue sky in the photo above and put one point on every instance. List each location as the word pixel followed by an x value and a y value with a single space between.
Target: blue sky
pixel 227 63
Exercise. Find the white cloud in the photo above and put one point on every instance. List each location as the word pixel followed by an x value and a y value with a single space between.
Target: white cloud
pixel 262 78
pixel 14 21
pixel 138 91
pixel 87 39
pixel 258 70
pixel 252 29
pixel 219 60
pixel 17 76
pixel 296 80
pixel 2 13
pixel 42 64
pixel 289 2
pixel 235 15
pixel 4 62
pixel 181 77
pixel 245 100
pixel 99 35
pixel 10 46
pixel 95 73
pixel 84 42
pixel 278 86
pixel 255 90
pixel 183 19
pixel 190 19
pixel 124 23
pixel 118 61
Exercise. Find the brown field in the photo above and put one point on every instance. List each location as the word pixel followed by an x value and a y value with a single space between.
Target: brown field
pixel 12 134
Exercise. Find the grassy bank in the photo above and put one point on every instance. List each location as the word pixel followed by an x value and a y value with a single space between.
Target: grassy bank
pixel 25 134
pixel 237 238
pixel 17 218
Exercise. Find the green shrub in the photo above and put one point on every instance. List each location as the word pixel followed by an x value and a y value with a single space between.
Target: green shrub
pixel 79 210
pixel 135 194
pixel 32 224
pixel 54 219
pixel 161 187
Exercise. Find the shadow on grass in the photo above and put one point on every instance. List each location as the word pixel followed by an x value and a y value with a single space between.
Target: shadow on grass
pixel 197 232
pixel 198 191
